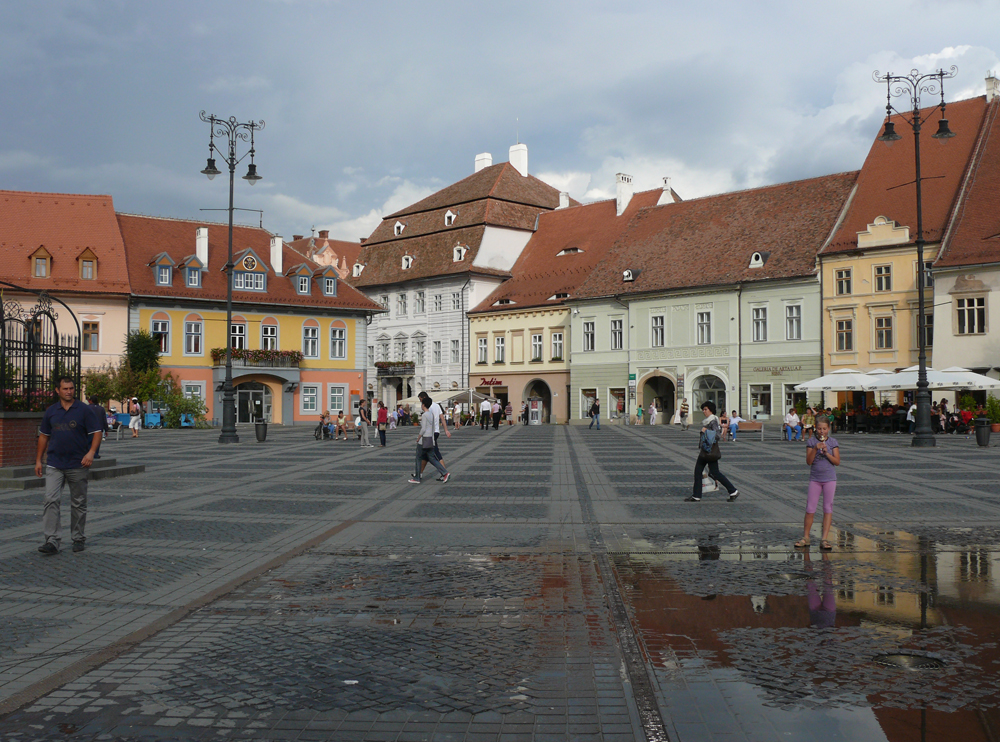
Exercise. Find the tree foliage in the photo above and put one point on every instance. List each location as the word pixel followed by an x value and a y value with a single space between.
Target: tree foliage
pixel 178 404
pixel 142 351
pixel 101 383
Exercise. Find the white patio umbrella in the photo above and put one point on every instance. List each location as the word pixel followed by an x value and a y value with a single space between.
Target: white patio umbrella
pixel 842 380
pixel 951 378
pixel 966 379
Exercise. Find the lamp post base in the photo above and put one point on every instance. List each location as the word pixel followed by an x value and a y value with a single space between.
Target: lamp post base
pixel 926 440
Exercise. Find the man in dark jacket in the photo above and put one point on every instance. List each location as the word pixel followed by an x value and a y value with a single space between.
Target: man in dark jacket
pixel 595 413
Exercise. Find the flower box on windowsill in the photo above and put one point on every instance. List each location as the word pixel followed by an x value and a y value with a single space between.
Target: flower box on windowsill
pixel 558 359
pixel 395 368
pixel 259 358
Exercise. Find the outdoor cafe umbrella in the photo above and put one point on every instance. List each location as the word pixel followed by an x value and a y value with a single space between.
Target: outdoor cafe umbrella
pixel 843 380
pixel 951 378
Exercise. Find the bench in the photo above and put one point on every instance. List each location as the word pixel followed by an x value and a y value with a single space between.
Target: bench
pixel 751 427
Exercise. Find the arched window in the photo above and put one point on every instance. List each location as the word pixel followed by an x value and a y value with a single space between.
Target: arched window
pixel 194 335
pixel 338 340
pixel 710 388
pixel 269 334
pixel 310 338
pixel 238 333
pixel 159 326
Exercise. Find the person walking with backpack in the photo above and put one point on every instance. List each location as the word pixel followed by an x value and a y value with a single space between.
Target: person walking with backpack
pixel 709 455
pixel 595 414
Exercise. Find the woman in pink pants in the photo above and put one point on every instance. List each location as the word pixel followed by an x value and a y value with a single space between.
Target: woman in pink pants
pixel 823 456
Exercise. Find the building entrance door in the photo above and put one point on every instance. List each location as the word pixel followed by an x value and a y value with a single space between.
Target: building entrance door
pixel 253 401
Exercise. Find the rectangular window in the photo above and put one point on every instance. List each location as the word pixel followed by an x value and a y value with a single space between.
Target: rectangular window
pixel 456 300
pixel 971 315
pixel 238 280
pixel 437 303
pixel 310 398
pixel 588 336
pixel 91 336
pixel 793 322
pixel 587 397
pixel 384 301
pixel 310 342
pixel 255 282
pixel 557 346
pixel 269 337
pixel 161 331
pixel 87 270
pixel 401 305
pixel 384 349
pixel 658 338
pixel 704 328
pixel 330 286
pixel 436 350
pixel 371 355
pixel 536 347
pixel 483 350
pixel 844 282
pixel 303 284
pixel 760 402
pixel 237 336
pixel 42 268
pixel 162 275
pixel 193 278
pixel 883 333
pixel 399 350
pixel 883 278
pixel 498 349
pixel 616 334
pixel 193 391
pixel 455 352
pixel 928 330
pixel 418 352
pixel 760 324
pixel 845 335
pixel 338 343
pixel 192 338
pixel 928 278
pixel 336 399
pixel 418 303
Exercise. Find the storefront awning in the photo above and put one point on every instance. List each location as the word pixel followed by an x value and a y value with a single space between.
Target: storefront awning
pixel 444 395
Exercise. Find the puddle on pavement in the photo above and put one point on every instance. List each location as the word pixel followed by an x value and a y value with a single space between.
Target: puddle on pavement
pixel 892 636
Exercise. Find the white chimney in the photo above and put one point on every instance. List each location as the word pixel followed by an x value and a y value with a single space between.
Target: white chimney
pixel 624 191
pixel 483 160
pixel 666 197
pixel 563 200
pixel 992 86
pixel 276 245
pixel 201 245
pixel 519 158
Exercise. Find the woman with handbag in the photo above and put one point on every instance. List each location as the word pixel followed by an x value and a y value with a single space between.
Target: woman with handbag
pixel 425 444
pixel 709 455
pixel 383 422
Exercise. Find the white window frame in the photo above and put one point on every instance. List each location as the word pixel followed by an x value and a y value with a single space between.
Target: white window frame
pixel 456 300
pixel 793 322
pixel 399 350
pixel 617 334
pixel 309 391
pixel 330 286
pixel 266 338
pixel 310 341
pixel 759 322
pixel 345 399
pixel 419 352
pixel 456 352
pixel 165 332
pixel 483 350
pixel 338 343
pixel 703 327
pixel 238 336
pixel 962 307
pixel 371 355
pixel 303 285
pixel 193 278
pixel 419 303
pixel 188 386
pixel 162 275
pixel 194 330
pixel 401 302
pixel 536 346
pixel 657 331
pixel 384 350
pixel 436 351
pixel 384 301
pixel 557 346
pixel 500 349
pixel 589 339
pixel 438 303
pixel 886 331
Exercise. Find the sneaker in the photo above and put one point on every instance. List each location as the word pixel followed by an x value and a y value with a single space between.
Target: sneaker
pixel 692 499
pixel 48 548
pixel 414 480
pixel 733 496
pixel 79 546
pixel 445 478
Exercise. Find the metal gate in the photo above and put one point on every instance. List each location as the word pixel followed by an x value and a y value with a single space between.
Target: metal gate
pixel 33 354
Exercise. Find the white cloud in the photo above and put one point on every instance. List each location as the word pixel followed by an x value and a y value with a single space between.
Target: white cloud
pixel 573 182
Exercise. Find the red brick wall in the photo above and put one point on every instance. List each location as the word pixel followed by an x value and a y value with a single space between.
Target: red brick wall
pixel 18 438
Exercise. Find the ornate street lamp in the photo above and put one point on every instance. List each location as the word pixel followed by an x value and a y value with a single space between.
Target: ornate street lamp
pixel 913 85
pixel 232 131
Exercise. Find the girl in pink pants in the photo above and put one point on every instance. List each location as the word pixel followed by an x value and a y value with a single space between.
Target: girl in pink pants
pixel 822 456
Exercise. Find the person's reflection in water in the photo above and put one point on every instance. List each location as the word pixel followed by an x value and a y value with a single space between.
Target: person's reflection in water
pixel 822 608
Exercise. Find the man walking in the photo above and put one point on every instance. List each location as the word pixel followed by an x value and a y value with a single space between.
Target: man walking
pixel 484 415
pixel 439 422
pixel 595 414
pixel 71 434
pixel 102 418
pixel 366 419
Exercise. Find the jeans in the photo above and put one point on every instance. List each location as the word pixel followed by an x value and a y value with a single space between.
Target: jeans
pixel 427 453
pixel 596 418
pixel 381 434
pixel 797 429
pixel 734 429
pixel 55 480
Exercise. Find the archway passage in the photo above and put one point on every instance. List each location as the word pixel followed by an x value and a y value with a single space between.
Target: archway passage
pixel 710 388
pixel 403 393
pixel 661 390
pixel 539 388
pixel 253 401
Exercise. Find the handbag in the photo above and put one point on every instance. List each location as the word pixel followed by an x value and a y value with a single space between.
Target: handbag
pixel 381 426
pixel 714 454
pixel 427 442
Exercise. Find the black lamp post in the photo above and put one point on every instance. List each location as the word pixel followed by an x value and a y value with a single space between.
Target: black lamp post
pixel 913 85
pixel 232 131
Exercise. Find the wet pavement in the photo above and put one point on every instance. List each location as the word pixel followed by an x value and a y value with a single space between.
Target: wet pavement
pixel 557 588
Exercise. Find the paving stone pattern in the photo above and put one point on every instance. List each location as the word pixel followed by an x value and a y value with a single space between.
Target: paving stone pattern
pixel 479 609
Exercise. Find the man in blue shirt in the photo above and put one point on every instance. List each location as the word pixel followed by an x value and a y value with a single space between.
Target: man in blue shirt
pixel 71 433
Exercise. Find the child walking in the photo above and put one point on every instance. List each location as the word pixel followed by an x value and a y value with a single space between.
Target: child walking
pixel 822 456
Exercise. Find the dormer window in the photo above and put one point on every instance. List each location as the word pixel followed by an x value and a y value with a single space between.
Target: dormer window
pixel 407 261
pixel 459 253
pixel 193 278
pixel 569 251
pixel 41 267
pixel 560 295
pixel 41 263
pixel 503 302
pixel 357 270
pixel 303 282
pixel 243 281
pixel 758 259
pixel 330 286
pixel 398 229
pixel 163 275
pixel 87 271
pixel 449 218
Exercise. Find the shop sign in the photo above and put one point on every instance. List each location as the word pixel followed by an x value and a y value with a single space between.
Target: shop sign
pixel 775 370
pixel 492 381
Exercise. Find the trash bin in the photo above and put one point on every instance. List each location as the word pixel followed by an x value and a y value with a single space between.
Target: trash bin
pixel 983 431
pixel 260 428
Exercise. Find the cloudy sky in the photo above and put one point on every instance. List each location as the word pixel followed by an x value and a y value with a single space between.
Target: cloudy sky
pixel 371 106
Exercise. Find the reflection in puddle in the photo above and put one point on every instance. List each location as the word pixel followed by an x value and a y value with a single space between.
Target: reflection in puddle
pixel 759 641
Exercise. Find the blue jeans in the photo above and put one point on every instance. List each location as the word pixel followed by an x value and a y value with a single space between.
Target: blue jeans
pixel 595 419
pixel 798 432
pixel 733 429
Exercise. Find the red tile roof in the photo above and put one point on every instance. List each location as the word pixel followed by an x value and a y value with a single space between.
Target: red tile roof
pixel 974 235
pixel 709 241
pixel 146 237
pixel 885 186
pixel 541 272
pixel 496 196
pixel 65 225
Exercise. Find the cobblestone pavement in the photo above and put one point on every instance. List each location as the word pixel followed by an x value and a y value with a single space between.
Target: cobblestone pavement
pixel 557 588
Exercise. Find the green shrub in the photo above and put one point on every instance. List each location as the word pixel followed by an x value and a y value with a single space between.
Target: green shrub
pixel 993 409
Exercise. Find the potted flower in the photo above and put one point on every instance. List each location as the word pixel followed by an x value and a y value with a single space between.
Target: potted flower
pixel 993 413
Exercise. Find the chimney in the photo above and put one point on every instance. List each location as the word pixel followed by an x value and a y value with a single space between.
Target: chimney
pixel 362 240
pixel 276 245
pixel 201 245
pixel 296 237
pixel 992 86
pixel 563 200
pixel 666 197
pixel 624 191
pixel 519 158
pixel 324 234
pixel 483 160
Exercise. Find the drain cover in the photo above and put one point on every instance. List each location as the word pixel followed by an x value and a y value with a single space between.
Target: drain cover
pixel 909 661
